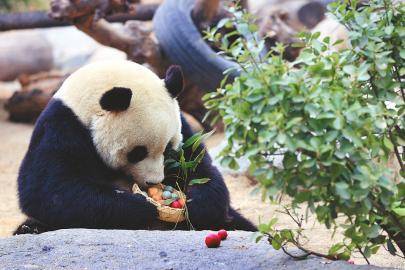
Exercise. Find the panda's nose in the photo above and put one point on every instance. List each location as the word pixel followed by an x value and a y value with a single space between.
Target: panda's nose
pixel 150 183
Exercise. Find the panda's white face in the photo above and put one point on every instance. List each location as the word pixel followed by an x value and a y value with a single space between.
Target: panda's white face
pixel 131 113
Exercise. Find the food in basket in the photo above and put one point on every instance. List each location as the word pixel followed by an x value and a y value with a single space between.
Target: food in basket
pixel 169 201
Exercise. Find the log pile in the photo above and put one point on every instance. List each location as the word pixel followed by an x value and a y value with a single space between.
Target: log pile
pixel 23 53
pixel 135 38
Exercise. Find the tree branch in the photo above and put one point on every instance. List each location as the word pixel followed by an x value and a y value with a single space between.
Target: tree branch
pixel 41 19
pixel 135 38
pixel 307 252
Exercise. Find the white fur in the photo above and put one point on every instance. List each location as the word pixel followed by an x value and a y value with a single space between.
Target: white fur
pixel 152 119
pixel 330 27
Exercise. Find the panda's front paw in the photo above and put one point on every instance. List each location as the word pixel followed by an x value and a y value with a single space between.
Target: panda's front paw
pixel 31 226
pixel 146 208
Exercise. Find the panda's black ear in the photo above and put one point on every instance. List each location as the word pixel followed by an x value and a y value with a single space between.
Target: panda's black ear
pixel 116 99
pixel 174 80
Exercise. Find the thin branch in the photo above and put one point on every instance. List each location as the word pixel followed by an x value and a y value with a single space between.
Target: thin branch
pixel 41 19
pixel 362 254
pixel 307 252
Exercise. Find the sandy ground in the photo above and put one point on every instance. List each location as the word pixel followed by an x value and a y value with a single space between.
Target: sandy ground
pixel 14 139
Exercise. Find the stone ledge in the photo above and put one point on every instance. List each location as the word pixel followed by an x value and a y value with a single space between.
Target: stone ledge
pixel 120 249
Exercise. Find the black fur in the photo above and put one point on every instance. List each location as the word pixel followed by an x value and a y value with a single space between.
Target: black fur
pixel 63 183
pixel 32 226
pixel 174 80
pixel 137 154
pixel 116 99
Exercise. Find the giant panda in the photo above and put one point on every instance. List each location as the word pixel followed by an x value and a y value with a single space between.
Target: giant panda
pixel 111 122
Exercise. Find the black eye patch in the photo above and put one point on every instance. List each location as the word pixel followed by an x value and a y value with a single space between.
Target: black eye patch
pixel 137 154
pixel 116 99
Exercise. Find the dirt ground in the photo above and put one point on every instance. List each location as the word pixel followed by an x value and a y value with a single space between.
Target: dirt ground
pixel 14 139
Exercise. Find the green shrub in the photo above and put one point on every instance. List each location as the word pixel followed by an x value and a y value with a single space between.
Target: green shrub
pixel 335 117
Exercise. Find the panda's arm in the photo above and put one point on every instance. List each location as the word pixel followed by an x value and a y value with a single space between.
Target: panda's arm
pixel 209 202
pixel 61 183
pixel 62 199
pixel 75 202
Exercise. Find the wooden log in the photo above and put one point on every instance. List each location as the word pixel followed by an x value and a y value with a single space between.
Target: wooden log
pixel 41 19
pixel 23 53
pixel 26 106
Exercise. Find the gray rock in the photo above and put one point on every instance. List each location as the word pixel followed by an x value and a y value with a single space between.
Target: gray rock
pixel 119 249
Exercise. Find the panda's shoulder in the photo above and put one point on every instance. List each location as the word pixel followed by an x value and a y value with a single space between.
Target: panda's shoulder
pixel 58 127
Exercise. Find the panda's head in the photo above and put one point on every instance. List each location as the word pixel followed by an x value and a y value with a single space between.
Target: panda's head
pixel 133 116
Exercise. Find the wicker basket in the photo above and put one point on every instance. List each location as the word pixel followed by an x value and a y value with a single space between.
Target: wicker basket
pixel 166 213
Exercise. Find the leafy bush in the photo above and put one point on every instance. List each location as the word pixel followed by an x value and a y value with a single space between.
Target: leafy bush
pixel 335 117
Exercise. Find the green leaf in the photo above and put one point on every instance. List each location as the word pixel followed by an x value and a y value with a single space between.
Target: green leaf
pixel 196 144
pixel 387 143
pixel 263 228
pixel 289 161
pixel 349 134
pixel 258 238
pixel 276 244
pixel 315 142
pixel 400 211
pixel 287 234
pixel 344 256
pixel 349 69
pixel 281 138
pixel 389 29
pixel 192 140
pixel 169 161
pixel 373 231
pixel 199 181
pixel 338 123
pixel 205 136
pixel 190 164
pixel 335 248
pixel 293 122
pixel 391 248
pixel 342 189
pixel 331 135
pixel 272 222
pixel 199 157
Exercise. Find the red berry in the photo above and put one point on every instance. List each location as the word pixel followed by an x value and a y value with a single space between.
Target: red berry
pixel 222 234
pixel 212 240
pixel 176 204
pixel 181 201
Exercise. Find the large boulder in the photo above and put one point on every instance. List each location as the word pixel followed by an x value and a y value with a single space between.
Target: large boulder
pixel 119 249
